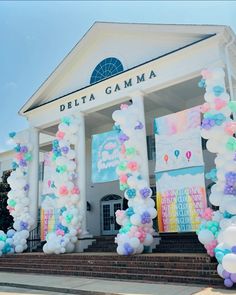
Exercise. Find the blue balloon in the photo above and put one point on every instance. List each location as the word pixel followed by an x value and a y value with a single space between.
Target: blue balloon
pixel 176 152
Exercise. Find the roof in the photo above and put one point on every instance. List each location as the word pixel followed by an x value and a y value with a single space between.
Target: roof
pixel 196 32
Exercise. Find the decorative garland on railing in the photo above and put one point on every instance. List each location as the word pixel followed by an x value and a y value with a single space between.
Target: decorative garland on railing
pixel 64 184
pixel 217 231
pixel 15 240
pixel 136 221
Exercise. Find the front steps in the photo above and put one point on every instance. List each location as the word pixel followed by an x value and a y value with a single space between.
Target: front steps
pixel 175 268
pixel 103 244
pixel 179 243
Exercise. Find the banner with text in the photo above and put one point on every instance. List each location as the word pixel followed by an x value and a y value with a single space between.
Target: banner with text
pixel 105 156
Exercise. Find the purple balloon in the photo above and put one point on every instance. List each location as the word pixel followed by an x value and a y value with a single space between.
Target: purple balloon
pixel 233 277
pixel 65 149
pixel 23 163
pixel 24 149
pixel 26 187
pixel 123 137
pixel 233 249
pixel 225 274
pixel 228 283
pixel 139 125
pixel 23 225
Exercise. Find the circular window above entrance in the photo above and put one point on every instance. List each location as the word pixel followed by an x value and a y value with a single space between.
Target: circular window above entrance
pixel 106 68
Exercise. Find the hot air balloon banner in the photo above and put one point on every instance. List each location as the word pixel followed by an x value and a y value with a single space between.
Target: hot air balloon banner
pixel 178 140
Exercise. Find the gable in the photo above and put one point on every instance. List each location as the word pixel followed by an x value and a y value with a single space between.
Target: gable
pixel 131 44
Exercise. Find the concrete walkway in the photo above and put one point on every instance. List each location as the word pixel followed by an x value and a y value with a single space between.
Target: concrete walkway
pixel 51 284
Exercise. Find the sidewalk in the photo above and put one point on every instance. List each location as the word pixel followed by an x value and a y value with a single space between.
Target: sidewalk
pixel 90 286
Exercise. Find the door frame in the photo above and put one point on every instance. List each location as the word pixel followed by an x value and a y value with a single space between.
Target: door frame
pixel 110 199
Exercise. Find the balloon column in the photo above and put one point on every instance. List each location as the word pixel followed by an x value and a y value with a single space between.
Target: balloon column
pixel 218 229
pixel 18 201
pixel 136 221
pixel 65 188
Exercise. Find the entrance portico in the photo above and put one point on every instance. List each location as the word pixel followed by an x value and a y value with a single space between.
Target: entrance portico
pixel 157 84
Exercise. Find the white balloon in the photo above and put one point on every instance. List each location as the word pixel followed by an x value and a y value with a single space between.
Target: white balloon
pixel 229 235
pixel 229 263
pixel 148 240
pixel 205 236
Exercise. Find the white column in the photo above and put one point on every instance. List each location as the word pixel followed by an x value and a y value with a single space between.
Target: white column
pixel 81 161
pixel 33 178
pixel 137 98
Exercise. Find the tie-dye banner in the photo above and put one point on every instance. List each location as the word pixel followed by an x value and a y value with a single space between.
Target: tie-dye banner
pixel 178 140
pixel 181 199
pixel 105 156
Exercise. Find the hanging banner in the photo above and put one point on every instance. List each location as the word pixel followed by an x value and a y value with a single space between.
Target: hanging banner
pixel 49 214
pixel 178 140
pixel 181 196
pixel 181 199
pixel 105 156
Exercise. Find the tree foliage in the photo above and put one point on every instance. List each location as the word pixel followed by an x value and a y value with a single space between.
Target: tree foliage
pixel 6 220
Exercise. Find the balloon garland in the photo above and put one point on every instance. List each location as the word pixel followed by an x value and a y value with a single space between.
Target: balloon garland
pixel 64 186
pixel 217 231
pixel 136 221
pixel 15 240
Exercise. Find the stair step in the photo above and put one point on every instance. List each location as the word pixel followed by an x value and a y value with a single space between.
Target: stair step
pixel 118 264
pixel 161 257
pixel 118 275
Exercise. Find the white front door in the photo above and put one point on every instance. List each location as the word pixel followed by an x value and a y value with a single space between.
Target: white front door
pixel 109 225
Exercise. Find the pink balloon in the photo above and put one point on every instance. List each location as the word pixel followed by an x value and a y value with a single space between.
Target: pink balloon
pixel 188 155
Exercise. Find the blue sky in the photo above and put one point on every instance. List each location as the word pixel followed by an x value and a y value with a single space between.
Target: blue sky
pixel 35 37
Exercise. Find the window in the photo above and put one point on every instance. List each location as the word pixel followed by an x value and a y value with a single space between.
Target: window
pixel 41 171
pixel 106 68
pixel 151 150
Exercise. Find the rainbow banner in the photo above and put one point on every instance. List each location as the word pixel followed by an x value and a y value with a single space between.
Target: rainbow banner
pixel 180 182
pixel 181 199
pixel 49 216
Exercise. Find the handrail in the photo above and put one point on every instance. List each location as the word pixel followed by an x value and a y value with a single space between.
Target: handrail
pixel 34 239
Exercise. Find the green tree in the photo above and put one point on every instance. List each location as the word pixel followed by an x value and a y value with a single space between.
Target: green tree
pixel 6 220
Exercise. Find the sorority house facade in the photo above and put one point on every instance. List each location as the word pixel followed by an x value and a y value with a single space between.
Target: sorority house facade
pixel 157 67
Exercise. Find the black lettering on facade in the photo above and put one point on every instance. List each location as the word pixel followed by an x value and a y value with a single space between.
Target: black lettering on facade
pixel 62 107
pixel 140 78
pixel 69 105
pixel 76 102
pixel 117 88
pixel 83 98
pixel 92 97
pixel 129 83
pixel 108 90
pixel 152 75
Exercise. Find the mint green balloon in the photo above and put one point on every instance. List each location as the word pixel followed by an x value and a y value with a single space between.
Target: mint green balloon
pixel 12 203
pixel 122 166
pixel 28 156
pixel 66 120
pixel 232 106
pixel 130 151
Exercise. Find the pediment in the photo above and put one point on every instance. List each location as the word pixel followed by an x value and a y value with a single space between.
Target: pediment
pixel 131 44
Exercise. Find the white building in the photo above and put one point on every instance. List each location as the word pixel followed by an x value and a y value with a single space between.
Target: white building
pixel 155 66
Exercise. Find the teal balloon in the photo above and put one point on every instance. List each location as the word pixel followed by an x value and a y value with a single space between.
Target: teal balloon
pixel 176 152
